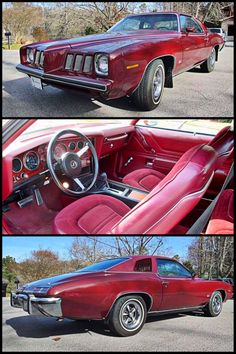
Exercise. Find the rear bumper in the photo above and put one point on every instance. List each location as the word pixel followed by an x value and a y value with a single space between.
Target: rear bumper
pixel 101 85
pixel 38 306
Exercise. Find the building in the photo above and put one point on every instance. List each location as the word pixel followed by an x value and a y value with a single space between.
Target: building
pixel 227 22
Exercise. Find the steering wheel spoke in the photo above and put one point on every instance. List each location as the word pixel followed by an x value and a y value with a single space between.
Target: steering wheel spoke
pixel 83 150
pixel 80 184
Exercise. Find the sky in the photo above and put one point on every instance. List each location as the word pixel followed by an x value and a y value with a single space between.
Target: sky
pixel 21 247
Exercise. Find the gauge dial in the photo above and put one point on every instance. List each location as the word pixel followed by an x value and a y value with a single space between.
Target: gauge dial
pixel 31 160
pixel 72 146
pixel 16 165
pixel 80 144
pixel 59 150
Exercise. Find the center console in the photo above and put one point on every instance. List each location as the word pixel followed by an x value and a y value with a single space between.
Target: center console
pixel 127 194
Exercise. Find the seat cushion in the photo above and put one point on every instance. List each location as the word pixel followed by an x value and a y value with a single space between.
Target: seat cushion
pixel 90 215
pixel 222 218
pixel 144 178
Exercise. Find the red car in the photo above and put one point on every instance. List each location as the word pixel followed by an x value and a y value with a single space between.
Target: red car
pixel 113 177
pixel 122 292
pixel 137 57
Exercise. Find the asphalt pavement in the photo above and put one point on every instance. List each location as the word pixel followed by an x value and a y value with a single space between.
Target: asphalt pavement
pixel 195 94
pixel 179 332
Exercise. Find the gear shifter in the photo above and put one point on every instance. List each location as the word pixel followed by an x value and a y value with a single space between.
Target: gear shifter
pixel 102 180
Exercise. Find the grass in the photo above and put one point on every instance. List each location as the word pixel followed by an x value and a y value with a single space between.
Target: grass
pixel 12 46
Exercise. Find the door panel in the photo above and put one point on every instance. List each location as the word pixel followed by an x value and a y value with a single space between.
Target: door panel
pixel 160 149
pixel 179 293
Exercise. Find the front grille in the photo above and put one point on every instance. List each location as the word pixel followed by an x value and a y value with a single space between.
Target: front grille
pixel 39 58
pixel 79 63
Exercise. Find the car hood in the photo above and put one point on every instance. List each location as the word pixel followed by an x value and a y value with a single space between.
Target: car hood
pixel 56 280
pixel 106 42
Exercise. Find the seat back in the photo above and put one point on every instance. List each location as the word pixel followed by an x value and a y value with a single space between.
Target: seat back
pixel 223 143
pixel 174 197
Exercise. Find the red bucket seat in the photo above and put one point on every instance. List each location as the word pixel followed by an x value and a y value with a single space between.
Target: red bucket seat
pixel 162 209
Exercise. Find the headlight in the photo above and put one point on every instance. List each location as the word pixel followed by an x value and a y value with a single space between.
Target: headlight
pixel 101 64
pixel 40 290
pixel 30 55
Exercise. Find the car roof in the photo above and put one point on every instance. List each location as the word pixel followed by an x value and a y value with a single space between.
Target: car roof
pixel 148 257
pixel 160 12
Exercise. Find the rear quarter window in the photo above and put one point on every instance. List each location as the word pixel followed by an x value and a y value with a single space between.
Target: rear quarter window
pixel 144 265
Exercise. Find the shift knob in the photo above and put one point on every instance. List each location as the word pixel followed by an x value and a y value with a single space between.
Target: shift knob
pixel 103 179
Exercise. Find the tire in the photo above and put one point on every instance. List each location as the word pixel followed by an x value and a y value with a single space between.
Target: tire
pixel 209 64
pixel 214 306
pixel 149 93
pixel 127 316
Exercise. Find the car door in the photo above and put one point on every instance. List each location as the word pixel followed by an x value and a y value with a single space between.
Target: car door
pixel 159 144
pixel 179 287
pixel 194 44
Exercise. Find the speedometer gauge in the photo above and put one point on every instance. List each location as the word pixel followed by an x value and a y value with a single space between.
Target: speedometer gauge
pixel 31 160
pixel 59 150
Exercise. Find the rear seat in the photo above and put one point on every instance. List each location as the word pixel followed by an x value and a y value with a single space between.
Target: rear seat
pixel 222 218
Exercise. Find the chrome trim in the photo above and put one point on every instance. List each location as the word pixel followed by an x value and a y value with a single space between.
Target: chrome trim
pixel 17 158
pixel 36 306
pixel 91 85
pixel 117 137
pixel 179 310
pixel 24 157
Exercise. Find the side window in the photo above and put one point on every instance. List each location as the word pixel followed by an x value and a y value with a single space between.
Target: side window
pixel 144 265
pixel 168 268
pixel 195 126
pixel 186 21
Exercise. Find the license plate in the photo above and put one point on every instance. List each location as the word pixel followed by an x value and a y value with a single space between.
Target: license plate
pixel 36 82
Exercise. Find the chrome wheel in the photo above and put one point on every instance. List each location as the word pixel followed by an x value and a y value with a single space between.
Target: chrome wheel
pixel 131 315
pixel 212 58
pixel 217 303
pixel 158 83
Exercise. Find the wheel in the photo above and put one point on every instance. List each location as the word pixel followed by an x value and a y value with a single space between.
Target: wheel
pixel 149 92
pixel 214 306
pixel 209 64
pixel 127 316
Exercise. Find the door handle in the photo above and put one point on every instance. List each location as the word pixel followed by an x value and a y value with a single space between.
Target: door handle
pixel 165 283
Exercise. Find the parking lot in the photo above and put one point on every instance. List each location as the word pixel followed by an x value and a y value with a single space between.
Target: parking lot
pixel 192 332
pixel 195 94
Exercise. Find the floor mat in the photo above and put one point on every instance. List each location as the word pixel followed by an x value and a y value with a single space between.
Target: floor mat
pixel 31 220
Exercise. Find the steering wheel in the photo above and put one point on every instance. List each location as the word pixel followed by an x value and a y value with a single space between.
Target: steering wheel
pixel 70 163
pixel 163 28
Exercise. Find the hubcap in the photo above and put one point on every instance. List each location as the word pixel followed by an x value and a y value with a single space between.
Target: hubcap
pixel 213 57
pixel 157 83
pixel 131 315
pixel 217 303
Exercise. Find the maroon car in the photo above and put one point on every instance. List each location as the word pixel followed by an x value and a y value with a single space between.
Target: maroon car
pixel 122 292
pixel 137 57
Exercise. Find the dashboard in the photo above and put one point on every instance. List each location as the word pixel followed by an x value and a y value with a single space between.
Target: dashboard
pixel 34 161
pixel 24 161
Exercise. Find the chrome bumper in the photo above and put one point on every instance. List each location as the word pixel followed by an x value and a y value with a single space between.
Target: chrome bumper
pixel 90 84
pixel 37 306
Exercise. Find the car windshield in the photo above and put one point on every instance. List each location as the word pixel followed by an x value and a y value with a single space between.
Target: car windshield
pixel 42 125
pixel 162 22
pixel 103 265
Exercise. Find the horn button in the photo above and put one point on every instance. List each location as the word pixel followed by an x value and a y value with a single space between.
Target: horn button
pixel 71 164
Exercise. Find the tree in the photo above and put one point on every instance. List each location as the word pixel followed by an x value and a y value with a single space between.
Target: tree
pixel 41 264
pixel 138 245
pixel 213 255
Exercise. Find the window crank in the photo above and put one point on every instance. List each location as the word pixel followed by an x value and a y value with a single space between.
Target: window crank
pixel 128 162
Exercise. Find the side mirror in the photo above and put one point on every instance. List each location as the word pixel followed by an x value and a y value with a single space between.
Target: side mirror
pixel 190 29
